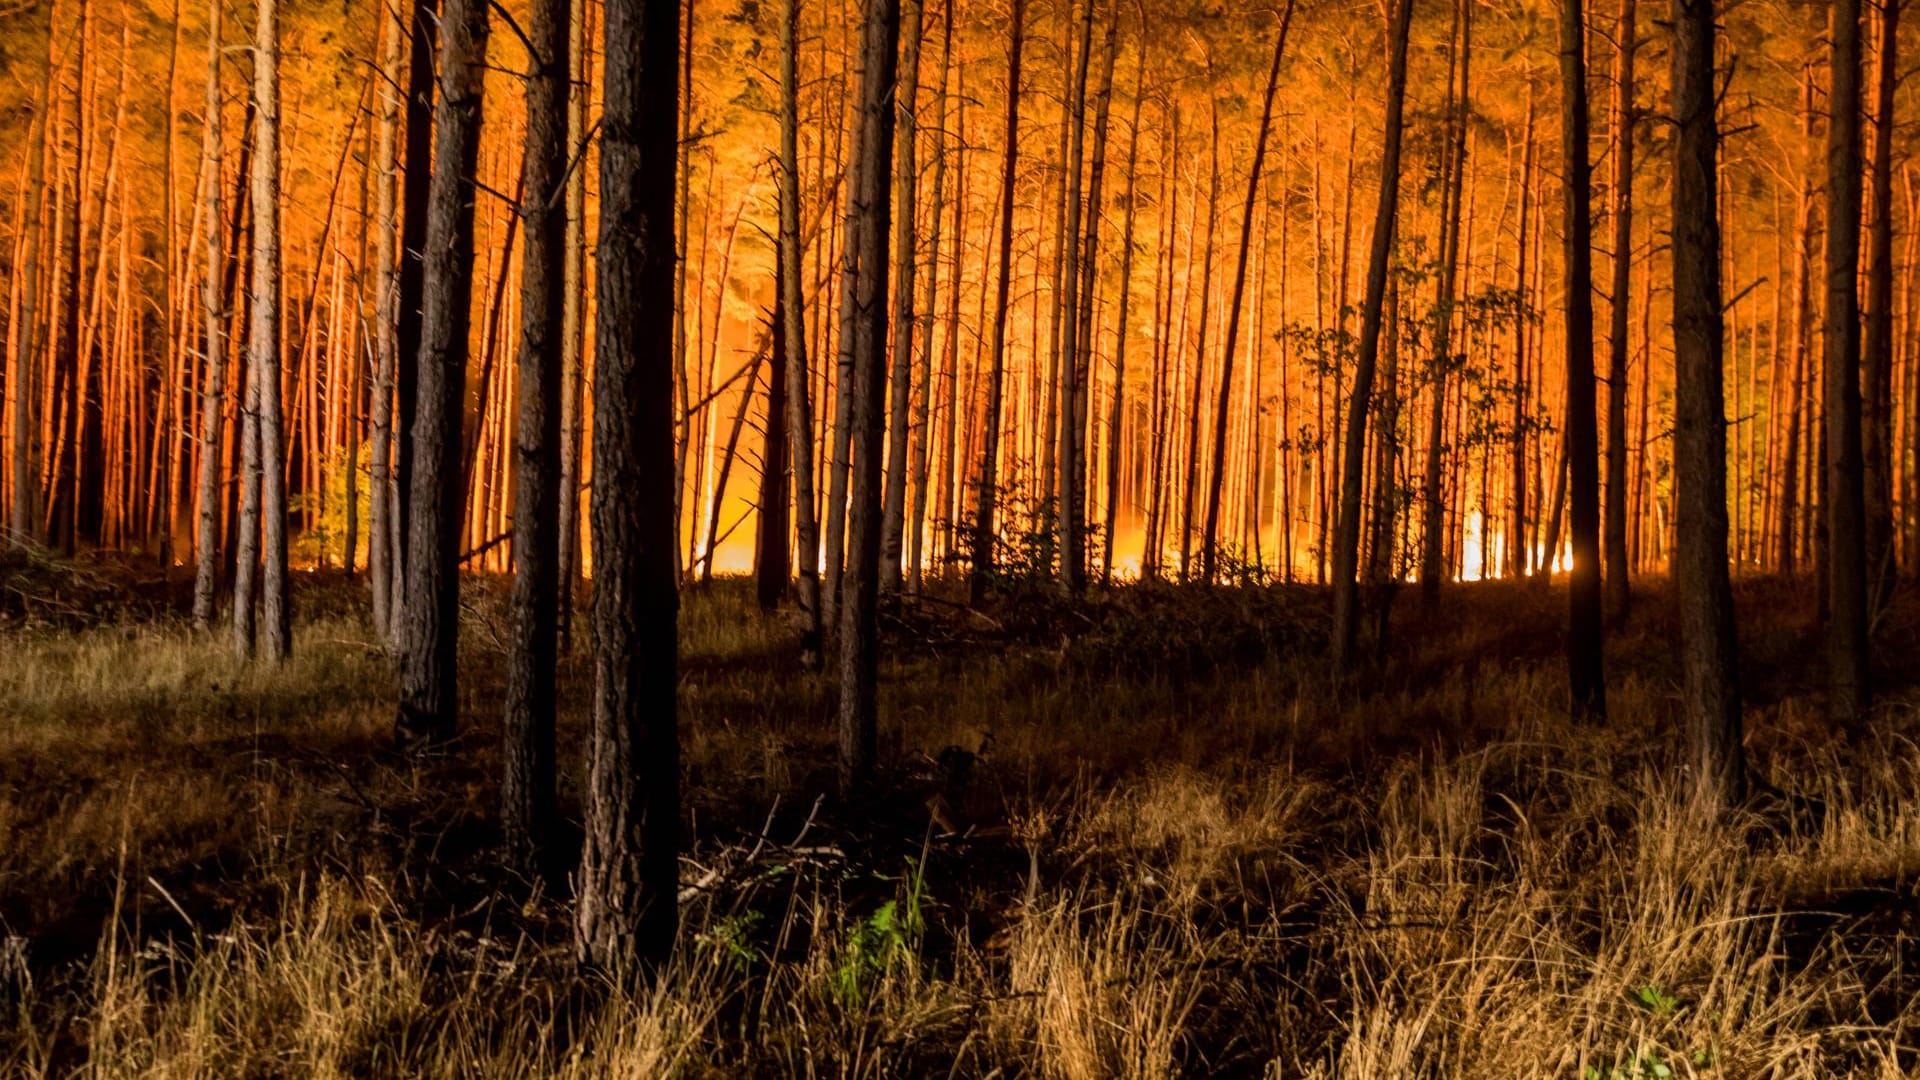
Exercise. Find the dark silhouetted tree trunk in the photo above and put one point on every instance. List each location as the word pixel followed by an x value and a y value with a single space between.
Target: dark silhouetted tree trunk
pixel 627 908
pixel 871 200
pixel 1618 584
pixel 1346 544
pixel 414 192
pixel 430 610
pixel 1846 513
pixel 1585 671
pixel 793 323
pixel 526 795
pixel 771 567
pixel 981 573
pixel 899 409
pixel 1708 647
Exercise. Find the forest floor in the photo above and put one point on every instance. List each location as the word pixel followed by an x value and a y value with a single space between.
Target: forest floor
pixel 1139 835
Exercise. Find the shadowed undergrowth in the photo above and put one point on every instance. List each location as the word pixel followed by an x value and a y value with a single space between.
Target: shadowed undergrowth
pixel 1137 836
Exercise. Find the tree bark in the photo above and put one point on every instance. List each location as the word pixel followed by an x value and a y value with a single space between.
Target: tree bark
pixel 871 202
pixel 1585 673
pixel 527 788
pixel 414 197
pixel 212 403
pixel 793 322
pixel 1846 513
pixel 1618 584
pixel 981 573
pixel 1877 406
pixel 906 180
pixel 1346 551
pixel 1708 646
pixel 380 497
pixel 430 610
pixel 629 872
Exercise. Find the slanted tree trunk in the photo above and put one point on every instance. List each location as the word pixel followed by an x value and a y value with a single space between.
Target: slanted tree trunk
pixel 1522 337
pixel 1846 512
pixel 859 653
pixel 1346 550
pixel 980 575
pixel 527 788
pixel 1789 534
pixel 1585 676
pixel 1210 537
pixel 380 497
pixel 206 564
pixel 899 410
pixel 1708 648
pixel 1619 587
pixel 430 611
pixel 626 911
pixel 1877 405
pixel 794 340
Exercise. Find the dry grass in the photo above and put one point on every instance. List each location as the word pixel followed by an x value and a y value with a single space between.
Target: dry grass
pixel 1177 857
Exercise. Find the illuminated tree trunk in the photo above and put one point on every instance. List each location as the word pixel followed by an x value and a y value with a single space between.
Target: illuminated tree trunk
pixel 981 574
pixel 794 340
pixel 1346 551
pixel 629 870
pixel 1522 336
pixel 263 350
pixel 430 612
pixel 380 497
pixel 1790 530
pixel 1846 513
pixel 23 382
pixel 527 788
pixel 1068 480
pixel 1198 397
pixel 573 321
pixel 1619 587
pixel 906 180
pixel 923 409
pixel 1117 408
pixel 1708 646
pixel 212 403
pixel 1389 189
pixel 871 202
pixel 1877 407
pixel 1585 678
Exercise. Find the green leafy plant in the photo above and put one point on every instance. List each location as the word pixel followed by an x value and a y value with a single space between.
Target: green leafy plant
pixel 877 942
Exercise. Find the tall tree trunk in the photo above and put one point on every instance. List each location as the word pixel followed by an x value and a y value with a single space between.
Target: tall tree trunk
pixel 573 320
pixel 1346 551
pixel 1585 673
pixel 981 573
pixel 1877 406
pixel 1846 512
pixel 23 381
pixel 380 497
pixel 1433 563
pixel 1067 478
pixel 430 611
pixel 871 200
pixel 1626 43
pixel 923 432
pixel 1522 336
pixel 263 335
pixel 414 197
pixel 906 180
pixel 1117 408
pixel 1708 646
pixel 793 322
pixel 527 788
pixel 212 403
pixel 629 870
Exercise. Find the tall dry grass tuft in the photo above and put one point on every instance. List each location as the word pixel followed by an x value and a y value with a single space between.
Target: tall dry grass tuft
pixel 1076 871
